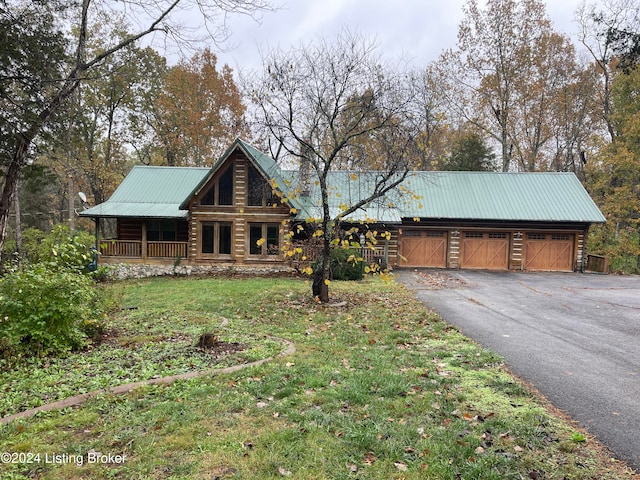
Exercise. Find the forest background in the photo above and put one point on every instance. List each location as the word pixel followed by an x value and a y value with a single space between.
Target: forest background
pixel 513 95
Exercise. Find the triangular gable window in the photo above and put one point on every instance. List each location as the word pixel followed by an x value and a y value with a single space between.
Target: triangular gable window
pixel 221 192
pixel 260 193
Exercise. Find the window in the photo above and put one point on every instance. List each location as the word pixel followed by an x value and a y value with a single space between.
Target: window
pixel 560 236
pixel 208 237
pixel 223 188
pixel 216 238
pixel 255 236
pixel 536 236
pixel 209 197
pixel 161 230
pixel 255 187
pixel 264 239
pixel 473 235
pixel 434 234
pixel 259 191
pixel 497 235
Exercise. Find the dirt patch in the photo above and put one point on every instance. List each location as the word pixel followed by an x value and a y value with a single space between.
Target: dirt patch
pixel 435 280
pixel 218 348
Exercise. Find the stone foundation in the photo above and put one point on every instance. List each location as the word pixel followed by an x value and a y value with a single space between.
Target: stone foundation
pixel 124 271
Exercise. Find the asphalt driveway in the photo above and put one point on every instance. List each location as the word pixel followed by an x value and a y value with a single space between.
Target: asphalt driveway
pixel 575 337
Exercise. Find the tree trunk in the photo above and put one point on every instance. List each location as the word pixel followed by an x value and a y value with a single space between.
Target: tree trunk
pixel 18 224
pixel 320 285
pixel 10 185
pixel 68 87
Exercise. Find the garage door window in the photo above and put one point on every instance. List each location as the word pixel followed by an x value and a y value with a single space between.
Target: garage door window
pixel 536 236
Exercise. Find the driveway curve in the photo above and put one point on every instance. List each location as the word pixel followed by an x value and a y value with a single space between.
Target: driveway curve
pixel 575 337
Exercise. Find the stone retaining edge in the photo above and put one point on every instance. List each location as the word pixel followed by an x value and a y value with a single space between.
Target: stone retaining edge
pixel 128 387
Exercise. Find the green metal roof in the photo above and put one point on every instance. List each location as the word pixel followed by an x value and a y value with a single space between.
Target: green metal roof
pixel 151 192
pixel 164 192
pixel 548 196
pixel 346 190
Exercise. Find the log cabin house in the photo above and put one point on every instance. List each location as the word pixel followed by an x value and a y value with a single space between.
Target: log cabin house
pixel 237 212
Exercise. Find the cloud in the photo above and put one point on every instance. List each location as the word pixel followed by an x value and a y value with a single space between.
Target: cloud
pixel 414 30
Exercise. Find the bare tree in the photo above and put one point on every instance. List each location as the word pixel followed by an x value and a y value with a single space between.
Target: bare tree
pixel 73 20
pixel 599 27
pixel 332 103
pixel 505 75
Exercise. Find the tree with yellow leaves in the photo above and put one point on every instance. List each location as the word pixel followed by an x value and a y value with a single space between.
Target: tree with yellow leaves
pixel 324 103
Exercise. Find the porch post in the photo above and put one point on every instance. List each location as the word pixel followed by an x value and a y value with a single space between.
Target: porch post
pixel 97 220
pixel 144 240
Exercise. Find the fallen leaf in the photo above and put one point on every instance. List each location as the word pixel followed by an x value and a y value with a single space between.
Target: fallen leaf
pixel 284 472
pixel 369 459
pixel 401 466
pixel 479 450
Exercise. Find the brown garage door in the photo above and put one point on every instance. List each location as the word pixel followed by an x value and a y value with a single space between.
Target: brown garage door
pixel 488 250
pixel 424 248
pixel 549 251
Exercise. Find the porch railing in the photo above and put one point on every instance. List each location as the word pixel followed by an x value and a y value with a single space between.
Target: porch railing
pixel 134 249
pixel 167 249
pixel 121 248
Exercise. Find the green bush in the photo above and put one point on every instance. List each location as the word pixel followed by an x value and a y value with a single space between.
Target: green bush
pixel 342 265
pixel 621 245
pixel 47 311
pixel 61 249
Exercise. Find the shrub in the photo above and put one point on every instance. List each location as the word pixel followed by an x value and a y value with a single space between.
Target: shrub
pixel 46 310
pixel 342 264
pixel 59 248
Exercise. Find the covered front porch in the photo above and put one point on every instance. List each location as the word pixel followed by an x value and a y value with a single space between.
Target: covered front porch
pixel 117 251
pixel 140 240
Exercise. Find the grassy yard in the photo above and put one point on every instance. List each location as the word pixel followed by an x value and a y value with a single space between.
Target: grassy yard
pixel 378 388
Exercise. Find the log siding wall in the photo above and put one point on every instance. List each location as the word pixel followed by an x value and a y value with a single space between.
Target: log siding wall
pixel 239 215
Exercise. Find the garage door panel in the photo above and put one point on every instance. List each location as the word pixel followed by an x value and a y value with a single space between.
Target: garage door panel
pixel 549 252
pixel 424 248
pixel 485 250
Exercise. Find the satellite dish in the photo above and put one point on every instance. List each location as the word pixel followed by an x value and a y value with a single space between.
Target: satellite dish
pixel 83 197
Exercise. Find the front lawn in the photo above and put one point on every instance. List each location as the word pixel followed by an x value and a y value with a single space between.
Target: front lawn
pixel 378 388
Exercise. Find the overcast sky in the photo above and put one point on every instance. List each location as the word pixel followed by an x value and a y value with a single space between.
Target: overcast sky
pixel 418 30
